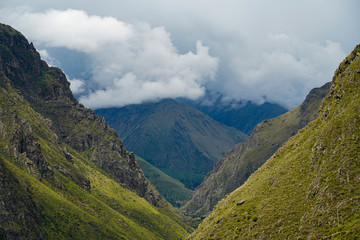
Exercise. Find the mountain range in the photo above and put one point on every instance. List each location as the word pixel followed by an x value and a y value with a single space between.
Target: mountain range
pixel 64 173
pixel 245 158
pixel 242 115
pixel 309 188
pixel 176 138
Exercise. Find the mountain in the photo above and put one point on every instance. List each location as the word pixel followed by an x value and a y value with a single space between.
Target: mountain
pixel 176 138
pixel 171 189
pixel 237 165
pixel 309 189
pixel 64 173
pixel 242 115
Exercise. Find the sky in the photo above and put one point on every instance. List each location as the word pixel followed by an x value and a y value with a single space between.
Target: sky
pixel 120 52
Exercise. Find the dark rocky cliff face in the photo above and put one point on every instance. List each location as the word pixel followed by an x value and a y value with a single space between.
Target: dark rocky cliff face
pixel 48 92
pixel 64 173
pixel 245 158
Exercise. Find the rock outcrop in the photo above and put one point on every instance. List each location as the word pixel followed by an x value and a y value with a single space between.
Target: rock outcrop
pixel 48 92
pixel 64 173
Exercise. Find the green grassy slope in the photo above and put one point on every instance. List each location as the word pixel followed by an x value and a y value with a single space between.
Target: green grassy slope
pixel 310 188
pixel 171 189
pixel 238 164
pixel 105 211
pixel 173 137
pixel 63 172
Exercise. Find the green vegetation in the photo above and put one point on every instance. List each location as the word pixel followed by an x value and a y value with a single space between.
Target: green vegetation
pixel 64 173
pixel 176 138
pixel 188 178
pixel 309 189
pixel 171 189
pixel 237 165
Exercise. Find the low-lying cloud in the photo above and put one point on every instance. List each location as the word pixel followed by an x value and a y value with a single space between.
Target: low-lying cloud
pixel 244 50
pixel 284 70
pixel 130 63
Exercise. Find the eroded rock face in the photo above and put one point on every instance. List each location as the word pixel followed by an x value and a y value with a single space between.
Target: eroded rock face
pixel 47 90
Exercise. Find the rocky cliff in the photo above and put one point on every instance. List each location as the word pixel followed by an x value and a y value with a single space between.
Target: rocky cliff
pixel 309 189
pixel 64 171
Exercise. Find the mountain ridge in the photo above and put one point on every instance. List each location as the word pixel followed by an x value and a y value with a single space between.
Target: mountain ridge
pixel 309 189
pixel 64 173
pixel 231 171
pixel 242 115
pixel 172 136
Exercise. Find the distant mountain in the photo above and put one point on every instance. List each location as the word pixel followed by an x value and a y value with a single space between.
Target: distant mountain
pixel 170 188
pixel 64 173
pixel 242 115
pixel 237 165
pixel 310 188
pixel 176 138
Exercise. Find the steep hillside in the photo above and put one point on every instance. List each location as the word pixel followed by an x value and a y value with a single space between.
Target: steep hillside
pixel 176 138
pixel 238 164
pixel 243 116
pixel 310 188
pixel 64 173
pixel 171 189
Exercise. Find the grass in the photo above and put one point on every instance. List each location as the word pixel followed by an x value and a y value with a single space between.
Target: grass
pixel 108 211
pixel 309 189
pixel 237 165
pixel 58 202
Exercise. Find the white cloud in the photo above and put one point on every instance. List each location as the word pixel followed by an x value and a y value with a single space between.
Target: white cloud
pixel 155 72
pixel 47 58
pixel 77 85
pixel 283 70
pixel 73 29
pixel 274 50
pixel 131 63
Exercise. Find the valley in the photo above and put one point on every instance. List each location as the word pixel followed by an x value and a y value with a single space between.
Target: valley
pixel 174 168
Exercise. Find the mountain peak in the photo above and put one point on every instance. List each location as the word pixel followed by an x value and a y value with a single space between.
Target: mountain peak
pixel 174 137
pixel 64 173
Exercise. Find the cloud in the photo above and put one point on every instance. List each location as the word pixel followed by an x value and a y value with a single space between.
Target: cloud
pixel 131 63
pixel 156 73
pixel 73 29
pixel 255 50
pixel 47 58
pixel 77 85
pixel 284 70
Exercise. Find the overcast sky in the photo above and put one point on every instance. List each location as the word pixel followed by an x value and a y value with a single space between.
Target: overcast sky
pixel 119 52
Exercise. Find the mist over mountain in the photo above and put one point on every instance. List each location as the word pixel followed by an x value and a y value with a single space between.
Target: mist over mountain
pixel 242 115
pixel 156 55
